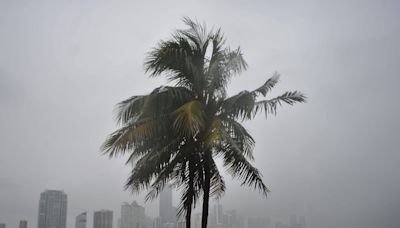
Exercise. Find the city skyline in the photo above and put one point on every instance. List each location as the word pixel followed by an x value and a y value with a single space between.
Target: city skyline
pixel 133 215
pixel 65 64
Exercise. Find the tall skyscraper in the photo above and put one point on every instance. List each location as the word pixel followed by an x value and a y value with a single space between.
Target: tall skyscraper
pixel 218 213
pixel 52 209
pixel 157 222
pixel 167 213
pixel 148 222
pixel 2 225
pixel 234 217
pixel 23 224
pixel 103 219
pixel 227 221
pixel 80 220
pixel 133 216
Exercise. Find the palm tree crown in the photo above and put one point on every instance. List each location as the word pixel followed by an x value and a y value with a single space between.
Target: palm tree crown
pixel 173 134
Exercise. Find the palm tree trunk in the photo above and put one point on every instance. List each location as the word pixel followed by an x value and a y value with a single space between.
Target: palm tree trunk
pixel 206 194
pixel 190 195
pixel 188 215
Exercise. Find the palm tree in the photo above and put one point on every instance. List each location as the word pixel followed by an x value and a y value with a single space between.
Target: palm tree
pixel 173 134
pixel 159 154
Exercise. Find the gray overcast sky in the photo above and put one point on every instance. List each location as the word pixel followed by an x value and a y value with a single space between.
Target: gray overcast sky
pixel 65 64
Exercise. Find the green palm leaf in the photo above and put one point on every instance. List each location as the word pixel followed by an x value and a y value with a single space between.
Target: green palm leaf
pixel 172 135
pixel 189 119
pixel 269 106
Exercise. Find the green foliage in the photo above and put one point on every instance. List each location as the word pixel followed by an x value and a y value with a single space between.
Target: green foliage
pixel 173 134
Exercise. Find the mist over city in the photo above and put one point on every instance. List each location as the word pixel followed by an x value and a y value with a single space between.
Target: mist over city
pixel 304 92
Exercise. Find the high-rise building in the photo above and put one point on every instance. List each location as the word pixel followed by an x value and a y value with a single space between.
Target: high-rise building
pixel 2 225
pixel 148 222
pixel 133 216
pixel 166 210
pixel 23 224
pixel 157 222
pixel 218 213
pixel 211 216
pixel 52 209
pixel 227 221
pixel 234 217
pixel 103 219
pixel 80 220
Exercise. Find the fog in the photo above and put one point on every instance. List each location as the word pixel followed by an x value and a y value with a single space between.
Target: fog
pixel 335 160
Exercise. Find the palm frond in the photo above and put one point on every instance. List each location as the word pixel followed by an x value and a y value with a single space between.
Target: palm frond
pixel 173 134
pixel 129 108
pixel 268 85
pixel 176 59
pixel 164 100
pixel 142 174
pixel 213 133
pixel 197 33
pixel 134 135
pixel 164 176
pixel 192 185
pixel 234 61
pixel 269 106
pixel 239 106
pixel 160 101
pixel 217 182
pixel 244 105
pixel 189 118
pixel 239 167
pixel 223 65
pixel 239 137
